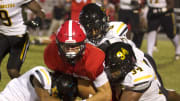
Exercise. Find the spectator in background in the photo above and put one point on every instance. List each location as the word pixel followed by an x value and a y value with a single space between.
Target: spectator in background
pixel 76 6
pixel 110 9
pixel 129 13
pixel 162 14
pixel 13 36
pixel 58 15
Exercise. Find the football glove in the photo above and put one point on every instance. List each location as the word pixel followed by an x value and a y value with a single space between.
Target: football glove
pixel 35 23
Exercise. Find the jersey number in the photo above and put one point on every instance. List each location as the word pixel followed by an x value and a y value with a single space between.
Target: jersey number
pixel 6 20
pixel 134 71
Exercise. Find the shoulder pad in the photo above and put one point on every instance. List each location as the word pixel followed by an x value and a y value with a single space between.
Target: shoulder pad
pixel 118 28
pixel 139 78
pixel 43 76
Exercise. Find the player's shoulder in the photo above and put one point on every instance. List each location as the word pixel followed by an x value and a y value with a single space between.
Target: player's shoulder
pixel 117 28
pixel 93 50
pixel 51 48
pixel 140 77
pixel 42 74
pixel 94 59
pixel 94 56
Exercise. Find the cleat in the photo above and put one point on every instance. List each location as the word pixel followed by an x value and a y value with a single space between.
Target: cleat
pixel 177 57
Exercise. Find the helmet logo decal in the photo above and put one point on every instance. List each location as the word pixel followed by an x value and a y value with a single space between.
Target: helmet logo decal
pixel 54 91
pixel 122 54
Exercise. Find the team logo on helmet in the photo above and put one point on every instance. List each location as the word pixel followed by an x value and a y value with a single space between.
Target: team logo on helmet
pixel 122 54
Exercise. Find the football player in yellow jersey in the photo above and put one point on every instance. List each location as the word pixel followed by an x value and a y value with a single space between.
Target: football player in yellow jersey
pixel 161 14
pixel 137 80
pixel 13 32
pixel 39 84
pixel 103 34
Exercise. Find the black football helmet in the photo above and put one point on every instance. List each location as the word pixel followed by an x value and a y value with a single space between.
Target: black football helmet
pixel 64 86
pixel 94 20
pixel 120 60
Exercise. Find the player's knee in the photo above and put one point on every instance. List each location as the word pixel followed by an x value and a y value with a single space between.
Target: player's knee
pixel 13 73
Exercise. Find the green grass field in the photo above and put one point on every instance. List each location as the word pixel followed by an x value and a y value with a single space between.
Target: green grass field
pixel 167 67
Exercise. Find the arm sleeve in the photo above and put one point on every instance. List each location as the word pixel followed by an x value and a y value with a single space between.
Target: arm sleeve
pixel 25 2
pixel 100 80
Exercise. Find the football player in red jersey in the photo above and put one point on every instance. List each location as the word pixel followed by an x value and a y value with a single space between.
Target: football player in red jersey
pixel 72 55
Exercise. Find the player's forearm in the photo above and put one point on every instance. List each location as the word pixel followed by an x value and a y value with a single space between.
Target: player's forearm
pixel 129 95
pixel 36 8
pixel 44 95
pixel 170 4
pixel 104 93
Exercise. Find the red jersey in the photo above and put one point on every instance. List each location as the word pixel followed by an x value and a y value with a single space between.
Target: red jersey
pixel 89 66
pixel 76 7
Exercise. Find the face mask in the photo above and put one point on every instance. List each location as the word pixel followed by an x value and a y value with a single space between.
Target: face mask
pixel 70 55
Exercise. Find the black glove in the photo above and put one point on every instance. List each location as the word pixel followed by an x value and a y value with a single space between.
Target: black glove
pixel 35 23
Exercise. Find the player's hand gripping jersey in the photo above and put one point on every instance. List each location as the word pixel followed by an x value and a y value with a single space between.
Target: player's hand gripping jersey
pixel 142 79
pixel 11 18
pixel 21 89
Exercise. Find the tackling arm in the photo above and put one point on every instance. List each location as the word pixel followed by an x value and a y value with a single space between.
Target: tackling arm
pixel 86 89
pixel 103 93
pixel 129 95
pixel 101 90
pixel 42 93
